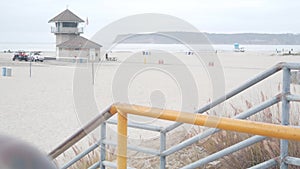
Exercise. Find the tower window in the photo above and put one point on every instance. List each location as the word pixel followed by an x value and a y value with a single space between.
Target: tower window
pixel 70 24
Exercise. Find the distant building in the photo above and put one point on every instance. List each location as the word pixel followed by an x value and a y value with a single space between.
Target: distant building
pixel 69 43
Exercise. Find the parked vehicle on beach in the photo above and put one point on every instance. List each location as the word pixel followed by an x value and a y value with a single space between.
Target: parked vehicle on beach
pixel 36 56
pixel 20 55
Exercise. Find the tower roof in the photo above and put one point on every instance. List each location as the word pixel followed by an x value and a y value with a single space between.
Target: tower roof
pixel 80 43
pixel 66 16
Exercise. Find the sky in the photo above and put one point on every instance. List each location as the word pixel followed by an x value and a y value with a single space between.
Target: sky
pixel 26 21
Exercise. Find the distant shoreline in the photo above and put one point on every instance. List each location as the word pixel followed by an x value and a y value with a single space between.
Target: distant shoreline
pixel 132 47
pixel 214 38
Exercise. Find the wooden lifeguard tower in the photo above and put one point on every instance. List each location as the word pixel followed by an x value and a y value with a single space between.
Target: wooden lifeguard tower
pixel 69 43
pixel 66 26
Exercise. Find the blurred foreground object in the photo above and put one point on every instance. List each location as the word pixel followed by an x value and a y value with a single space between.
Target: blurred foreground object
pixel 15 154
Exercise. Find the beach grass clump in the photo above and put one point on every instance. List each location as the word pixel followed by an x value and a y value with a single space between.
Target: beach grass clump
pixel 250 156
pixel 244 158
pixel 88 160
pixel 259 152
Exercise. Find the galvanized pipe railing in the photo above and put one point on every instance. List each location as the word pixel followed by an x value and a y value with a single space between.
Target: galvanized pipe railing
pixel 285 114
pixel 105 115
pixel 209 132
pixel 102 145
pixel 138 126
pixel 292 161
pixel 258 78
pixel 267 164
pixel 81 133
pixel 81 155
pixel 243 144
pixel 163 152
pixel 258 128
pixel 135 148
pixel 243 126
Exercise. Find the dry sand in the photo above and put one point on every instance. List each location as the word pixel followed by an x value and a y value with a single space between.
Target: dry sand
pixel 40 109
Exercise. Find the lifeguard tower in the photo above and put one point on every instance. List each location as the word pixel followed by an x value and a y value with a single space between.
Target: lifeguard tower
pixel 66 26
pixel 69 43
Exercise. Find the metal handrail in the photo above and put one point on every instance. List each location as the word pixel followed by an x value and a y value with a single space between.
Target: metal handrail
pixel 285 96
pixel 258 78
pixel 211 131
pixel 229 124
pixel 81 133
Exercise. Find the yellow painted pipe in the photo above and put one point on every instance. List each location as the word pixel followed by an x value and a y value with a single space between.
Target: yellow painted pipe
pixel 244 126
pixel 122 141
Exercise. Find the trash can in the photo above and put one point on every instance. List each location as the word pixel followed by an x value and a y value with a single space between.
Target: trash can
pixel 3 71
pixel 8 71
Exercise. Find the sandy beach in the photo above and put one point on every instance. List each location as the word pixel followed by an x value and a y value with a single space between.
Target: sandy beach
pixel 40 109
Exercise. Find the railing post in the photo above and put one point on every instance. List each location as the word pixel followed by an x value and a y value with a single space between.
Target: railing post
pixel 122 141
pixel 102 145
pixel 162 149
pixel 286 79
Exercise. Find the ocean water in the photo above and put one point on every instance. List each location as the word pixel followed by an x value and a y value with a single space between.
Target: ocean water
pixel 272 48
pixel 27 46
pixel 185 48
pixel 142 47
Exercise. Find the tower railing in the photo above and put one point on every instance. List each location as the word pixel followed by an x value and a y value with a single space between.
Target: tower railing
pixel 66 30
pixel 261 131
